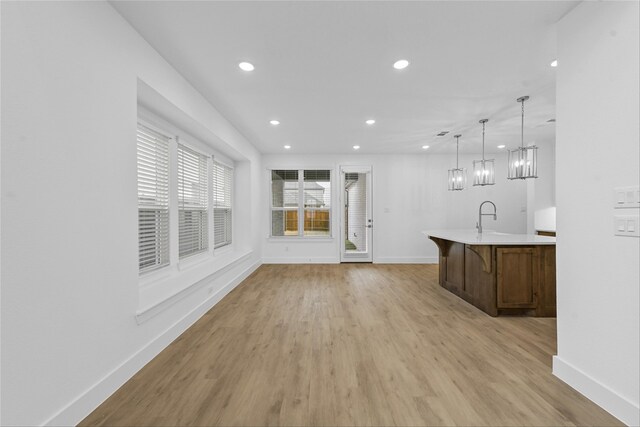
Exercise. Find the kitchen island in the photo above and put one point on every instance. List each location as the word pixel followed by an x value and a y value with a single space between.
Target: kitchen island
pixel 499 273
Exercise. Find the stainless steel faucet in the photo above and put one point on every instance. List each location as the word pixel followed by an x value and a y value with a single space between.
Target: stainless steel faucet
pixel 480 215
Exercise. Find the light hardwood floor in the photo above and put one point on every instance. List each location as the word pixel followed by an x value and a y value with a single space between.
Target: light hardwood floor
pixel 351 344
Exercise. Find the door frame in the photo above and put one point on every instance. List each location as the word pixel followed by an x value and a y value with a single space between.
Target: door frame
pixel 368 169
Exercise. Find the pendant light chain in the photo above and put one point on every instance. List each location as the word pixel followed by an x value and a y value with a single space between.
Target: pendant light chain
pixel 522 124
pixel 457 151
pixel 483 123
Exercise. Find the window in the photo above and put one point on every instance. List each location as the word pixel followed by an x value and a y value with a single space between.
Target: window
pixel 301 203
pixel 153 199
pixel 193 227
pixel 185 200
pixel 284 202
pixel 222 181
pixel 317 203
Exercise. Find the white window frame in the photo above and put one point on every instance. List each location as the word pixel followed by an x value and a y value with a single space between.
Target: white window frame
pixel 229 241
pixel 160 265
pixel 208 199
pixel 300 208
pixel 177 264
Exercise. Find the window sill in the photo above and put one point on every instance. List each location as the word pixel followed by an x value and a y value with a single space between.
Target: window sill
pixel 223 250
pixel 155 276
pixel 162 291
pixel 193 260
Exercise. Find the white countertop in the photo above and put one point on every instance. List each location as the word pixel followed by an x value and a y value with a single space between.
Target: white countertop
pixel 490 237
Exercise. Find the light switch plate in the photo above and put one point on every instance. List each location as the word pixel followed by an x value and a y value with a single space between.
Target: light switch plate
pixel 626 197
pixel 626 225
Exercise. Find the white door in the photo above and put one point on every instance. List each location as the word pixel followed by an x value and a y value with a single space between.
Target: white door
pixel 356 219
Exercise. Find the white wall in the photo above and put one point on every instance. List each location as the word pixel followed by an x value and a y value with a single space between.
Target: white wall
pixel 409 195
pixel 541 192
pixel 510 198
pixel 597 150
pixel 70 72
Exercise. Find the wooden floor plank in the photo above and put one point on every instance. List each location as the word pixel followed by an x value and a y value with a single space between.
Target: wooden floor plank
pixel 351 344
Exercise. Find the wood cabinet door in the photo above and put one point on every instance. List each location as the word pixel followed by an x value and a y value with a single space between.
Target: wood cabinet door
pixel 517 277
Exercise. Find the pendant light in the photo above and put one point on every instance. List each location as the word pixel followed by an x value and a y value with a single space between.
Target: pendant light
pixel 523 161
pixel 457 176
pixel 483 170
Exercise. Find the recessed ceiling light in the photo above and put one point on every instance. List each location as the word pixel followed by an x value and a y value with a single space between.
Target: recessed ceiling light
pixel 246 66
pixel 401 64
pixel 501 146
pixel 425 147
pixel 370 121
pixel 274 122
pixel 356 147
pixel 287 147
pixel 554 63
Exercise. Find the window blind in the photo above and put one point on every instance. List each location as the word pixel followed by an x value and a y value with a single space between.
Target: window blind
pixel 153 199
pixel 222 214
pixel 193 229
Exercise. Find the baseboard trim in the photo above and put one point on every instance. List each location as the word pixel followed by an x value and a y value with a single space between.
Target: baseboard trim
pixel 600 394
pixel 300 260
pixel 84 404
pixel 333 260
pixel 406 260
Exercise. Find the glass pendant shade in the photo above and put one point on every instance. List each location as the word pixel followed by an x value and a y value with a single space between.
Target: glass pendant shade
pixel 484 172
pixel 457 177
pixel 523 162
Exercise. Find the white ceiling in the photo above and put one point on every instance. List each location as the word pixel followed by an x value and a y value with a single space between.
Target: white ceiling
pixel 323 68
